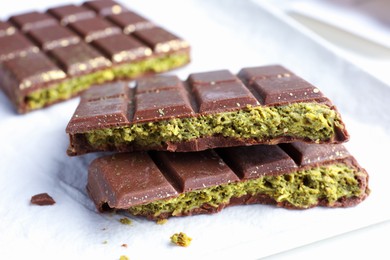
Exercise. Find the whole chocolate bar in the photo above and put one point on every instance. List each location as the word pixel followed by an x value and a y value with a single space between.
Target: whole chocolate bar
pixel 263 105
pixel 53 56
pixel 158 185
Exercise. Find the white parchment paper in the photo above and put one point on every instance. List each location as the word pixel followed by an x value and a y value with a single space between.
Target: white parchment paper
pixel 231 35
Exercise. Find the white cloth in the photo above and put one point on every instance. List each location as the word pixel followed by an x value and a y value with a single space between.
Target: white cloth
pixel 232 35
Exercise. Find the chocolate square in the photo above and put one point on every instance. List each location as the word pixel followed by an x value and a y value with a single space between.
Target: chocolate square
pixel 34 69
pixel 71 13
pixel 79 59
pixel 212 77
pixel 273 71
pixel 256 161
pixel 284 90
pixel 137 180
pixel 106 7
pixel 223 97
pixel 162 104
pixel 15 45
pixel 52 37
pixel 158 83
pixel 207 169
pixel 160 40
pixel 94 28
pixel 130 22
pixel 111 90
pixel 32 20
pixel 122 48
pixel 311 154
pixel 108 112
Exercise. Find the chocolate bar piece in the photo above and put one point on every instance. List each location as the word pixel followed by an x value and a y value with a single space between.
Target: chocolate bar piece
pixel 158 185
pixel 263 105
pixel 42 199
pixel 88 44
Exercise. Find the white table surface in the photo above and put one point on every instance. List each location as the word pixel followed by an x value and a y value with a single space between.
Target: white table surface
pixel 363 236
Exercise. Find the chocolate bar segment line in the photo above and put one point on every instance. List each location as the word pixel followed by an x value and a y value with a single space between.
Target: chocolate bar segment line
pixel 95 42
pixel 162 184
pixel 210 110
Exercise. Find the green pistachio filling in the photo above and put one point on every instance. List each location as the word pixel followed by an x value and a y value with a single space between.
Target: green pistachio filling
pixel 304 120
pixel 70 87
pixel 301 189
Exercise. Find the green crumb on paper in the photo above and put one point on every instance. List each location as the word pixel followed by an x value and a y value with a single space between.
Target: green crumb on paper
pixel 305 120
pixel 301 189
pixel 181 239
pixel 105 242
pixel 125 221
pixel 123 257
pixel 161 221
pixel 73 86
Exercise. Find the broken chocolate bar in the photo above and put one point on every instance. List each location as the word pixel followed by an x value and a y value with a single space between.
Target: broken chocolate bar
pixel 158 185
pixel 263 105
pixel 49 57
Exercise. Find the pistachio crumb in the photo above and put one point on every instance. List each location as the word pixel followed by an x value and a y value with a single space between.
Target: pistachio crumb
pixel 181 239
pixel 125 221
pixel 162 221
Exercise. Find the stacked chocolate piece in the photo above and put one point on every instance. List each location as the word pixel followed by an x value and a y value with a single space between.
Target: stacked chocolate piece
pixel 216 139
pixel 52 56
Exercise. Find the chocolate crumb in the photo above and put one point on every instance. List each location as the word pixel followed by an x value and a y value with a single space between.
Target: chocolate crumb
pixel 124 245
pixel 42 199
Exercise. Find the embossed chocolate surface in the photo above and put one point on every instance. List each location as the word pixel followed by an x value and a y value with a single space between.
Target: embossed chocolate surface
pixel 91 43
pixel 162 184
pixel 208 110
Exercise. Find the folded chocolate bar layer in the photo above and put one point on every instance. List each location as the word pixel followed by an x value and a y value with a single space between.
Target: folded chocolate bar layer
pixel 52 56
pixel 162 184
pixel 263 105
